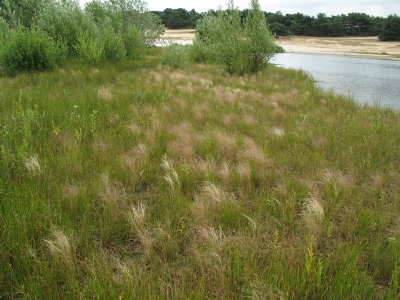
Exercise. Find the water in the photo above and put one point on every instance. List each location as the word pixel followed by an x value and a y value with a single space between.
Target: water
pixel 367 81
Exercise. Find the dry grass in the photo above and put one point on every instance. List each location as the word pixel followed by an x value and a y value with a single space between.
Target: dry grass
pixel 32 164
pixel 313 216
pixel 137 218
pixel 252 152
pixel 60 248
pixel 113 192
pixel 105 92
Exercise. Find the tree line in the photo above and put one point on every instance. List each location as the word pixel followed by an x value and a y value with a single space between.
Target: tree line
pixel 352 24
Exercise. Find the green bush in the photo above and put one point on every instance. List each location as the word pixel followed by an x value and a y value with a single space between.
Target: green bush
pixel 279 49
pixel 67 20
pixel 3 28
pixel 134 44
pixel 242 46
pixel 175 56
pixel 30 50
pixel 89 49
pixel 198 52
pixel 114 47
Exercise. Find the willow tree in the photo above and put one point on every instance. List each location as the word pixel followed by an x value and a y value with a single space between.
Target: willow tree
pixel 242 46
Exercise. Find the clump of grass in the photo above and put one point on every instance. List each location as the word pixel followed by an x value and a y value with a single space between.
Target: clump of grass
pixel 137 218
pixel 33 165
pixel 313 216
pixel 60 248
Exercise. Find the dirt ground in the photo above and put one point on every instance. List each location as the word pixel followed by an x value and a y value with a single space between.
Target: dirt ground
pixel 355 46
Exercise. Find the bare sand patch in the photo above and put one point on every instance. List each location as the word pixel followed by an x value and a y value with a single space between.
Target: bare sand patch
pixel 352 46
pixel 181 34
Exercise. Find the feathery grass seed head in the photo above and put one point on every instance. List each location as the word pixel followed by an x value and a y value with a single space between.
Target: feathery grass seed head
pixel 60 247
pixel 313 215
pixel 33 166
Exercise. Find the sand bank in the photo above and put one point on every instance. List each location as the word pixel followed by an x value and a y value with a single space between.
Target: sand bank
pixel 354 46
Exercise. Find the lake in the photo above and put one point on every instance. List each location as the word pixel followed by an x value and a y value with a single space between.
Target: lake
pixel 366 80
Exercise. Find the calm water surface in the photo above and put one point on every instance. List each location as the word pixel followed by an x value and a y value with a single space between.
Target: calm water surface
pixel 370 81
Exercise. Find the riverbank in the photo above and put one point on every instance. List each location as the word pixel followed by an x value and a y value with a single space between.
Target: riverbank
pixel 351 46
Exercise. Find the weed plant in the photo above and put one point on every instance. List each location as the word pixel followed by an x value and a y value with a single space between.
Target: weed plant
pixel 175 56
pixel 133 180
pixel 89 49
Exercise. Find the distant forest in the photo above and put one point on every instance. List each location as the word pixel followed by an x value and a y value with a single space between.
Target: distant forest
pixel 352 24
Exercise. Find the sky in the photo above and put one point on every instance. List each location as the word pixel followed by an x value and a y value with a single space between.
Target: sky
pixel 381 8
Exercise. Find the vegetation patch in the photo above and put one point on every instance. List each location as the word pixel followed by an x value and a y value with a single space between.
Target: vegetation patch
pixel 133 179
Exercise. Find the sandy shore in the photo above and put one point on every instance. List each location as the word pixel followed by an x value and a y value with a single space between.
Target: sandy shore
pixel 355 46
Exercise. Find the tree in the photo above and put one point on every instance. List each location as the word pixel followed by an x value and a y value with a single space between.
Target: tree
pixel 134 13
pixel 21 12
pixel 321 25
pixel 391 29
pixel 336 26
pixel 175 18
pixel 242 46
pixel 66 20
pixel 359 24
pixel 278 29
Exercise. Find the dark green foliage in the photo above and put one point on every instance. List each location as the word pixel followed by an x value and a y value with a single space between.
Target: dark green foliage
pixel 30 50
pixel 179 18
pixel 391 29
pixel 352 24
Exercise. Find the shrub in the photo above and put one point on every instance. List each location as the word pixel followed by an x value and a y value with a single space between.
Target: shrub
pixel 133 40
pixel 175 56
pixel 66 19
pixel 30 50
pixel 279 49
pixel 3 28
pixel 242 46
pixel 114 47
pixel 89 49
pixel 134 13
pixel 200 52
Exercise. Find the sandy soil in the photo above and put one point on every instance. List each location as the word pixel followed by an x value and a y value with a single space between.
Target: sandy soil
pixel 179 34
pixel 356 46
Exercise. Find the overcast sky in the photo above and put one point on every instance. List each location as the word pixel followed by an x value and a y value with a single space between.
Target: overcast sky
pixel 308 7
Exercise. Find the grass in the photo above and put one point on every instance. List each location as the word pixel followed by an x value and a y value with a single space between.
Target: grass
pixel 137 181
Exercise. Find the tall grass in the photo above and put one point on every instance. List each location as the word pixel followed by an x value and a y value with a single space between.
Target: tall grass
pixel 134 180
